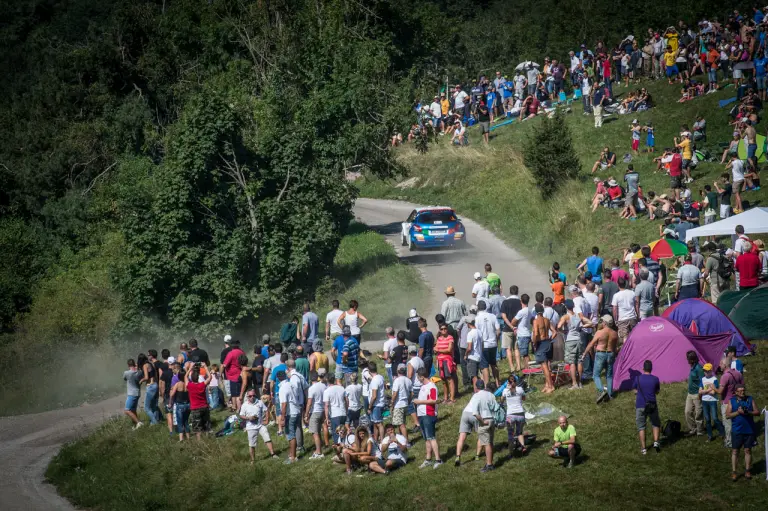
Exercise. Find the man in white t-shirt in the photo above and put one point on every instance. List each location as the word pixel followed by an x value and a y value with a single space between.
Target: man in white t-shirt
pixel 335 400
pixel 436 112
pixel 253 412
pixel 474 354
pixel 376 402
pixel 521 324
pixel 737 171
pixel 426 409
pixel 386 356
pixel 583 308
pixel 414 364
pixel 393 448
pixel 477 415
pixel 315 414
pixel 488 329
pixel 402 389
pixel 461 102
pixel 624 314
pixel 290 416
pixel 332 328
pixel 353 395
pixel 480 290
pixel 741 245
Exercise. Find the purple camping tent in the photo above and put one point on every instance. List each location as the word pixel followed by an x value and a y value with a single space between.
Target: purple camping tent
pixel 665 344
pixel 703 318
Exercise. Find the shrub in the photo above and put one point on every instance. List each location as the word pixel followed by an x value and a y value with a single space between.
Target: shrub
pixel 550 156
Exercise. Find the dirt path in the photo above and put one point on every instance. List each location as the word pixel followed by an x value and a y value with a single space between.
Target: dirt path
pixel 28 442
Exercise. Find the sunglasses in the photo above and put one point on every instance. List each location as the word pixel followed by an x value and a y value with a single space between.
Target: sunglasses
pixel 251 395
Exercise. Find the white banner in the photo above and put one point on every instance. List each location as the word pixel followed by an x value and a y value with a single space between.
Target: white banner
pixel 765 432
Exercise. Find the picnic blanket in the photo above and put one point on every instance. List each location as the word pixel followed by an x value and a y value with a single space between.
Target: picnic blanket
pixel 725 102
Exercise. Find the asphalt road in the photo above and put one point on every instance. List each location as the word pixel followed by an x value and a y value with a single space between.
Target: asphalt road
pixel 452 267
pixel 28 442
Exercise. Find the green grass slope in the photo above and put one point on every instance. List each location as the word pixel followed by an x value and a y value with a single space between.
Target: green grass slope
pixel 120 469
pixel 492 186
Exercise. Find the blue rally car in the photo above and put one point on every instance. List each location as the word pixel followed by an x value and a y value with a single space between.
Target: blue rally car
pixel 433 226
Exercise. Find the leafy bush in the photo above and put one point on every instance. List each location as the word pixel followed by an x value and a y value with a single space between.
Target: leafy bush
pixel 550 156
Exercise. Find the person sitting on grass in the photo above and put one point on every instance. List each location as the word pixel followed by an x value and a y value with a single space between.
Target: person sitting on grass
pixel 393 447
pixel 601 192
pixel 365 451
pixel 459 134
pixel 565 445
pixel 606 160
pixel 741 409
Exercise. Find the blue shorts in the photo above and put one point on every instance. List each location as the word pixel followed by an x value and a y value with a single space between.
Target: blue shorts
pixel 761 82
pixel 739 440
pixel 523 345
pixel 377 417
pixel 436 122
pixel 672 70
pixel 544 351
pixel 132 403
pixel 751 150
pixel 293 422
pixel 411 406
pixel 276 402
pixel 427 426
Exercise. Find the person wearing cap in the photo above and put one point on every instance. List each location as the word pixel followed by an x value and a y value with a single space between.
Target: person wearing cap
pixel 315 413
pixel 605 343
pixel 224 352
pixel 402 394
pixel 478 416
pixel 318 359
pixel 574 350
pixel 253 412
pixel 670 64
pixel 742 410
pixel 708 391
pixel 480 289
pixel 685 146
pixel 426 345
pixel 453 309
pixel 412 326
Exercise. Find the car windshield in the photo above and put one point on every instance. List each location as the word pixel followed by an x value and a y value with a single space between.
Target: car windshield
pixel 436 217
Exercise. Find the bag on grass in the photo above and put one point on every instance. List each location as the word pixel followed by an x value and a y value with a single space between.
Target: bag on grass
pixel 499 414
pixel 671 429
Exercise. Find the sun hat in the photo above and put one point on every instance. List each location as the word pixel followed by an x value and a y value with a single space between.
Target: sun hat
pixel 613 182
pixel 478 276
pixel 607 319
pixel 450 291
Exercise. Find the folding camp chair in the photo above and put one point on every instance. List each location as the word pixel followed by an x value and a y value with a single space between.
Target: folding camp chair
pixel 560 373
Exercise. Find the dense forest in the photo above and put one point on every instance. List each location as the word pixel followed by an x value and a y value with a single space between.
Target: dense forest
pixel 181 163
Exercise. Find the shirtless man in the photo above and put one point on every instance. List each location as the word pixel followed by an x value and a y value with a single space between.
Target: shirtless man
pixel 605 342
pixel 541 336
pixel 750 134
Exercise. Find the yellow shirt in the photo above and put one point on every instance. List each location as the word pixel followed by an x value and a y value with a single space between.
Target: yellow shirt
pixel 445 105
pixel 669 58
pixel 685 145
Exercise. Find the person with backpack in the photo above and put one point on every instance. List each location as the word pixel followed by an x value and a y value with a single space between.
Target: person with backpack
pixel 718 269
pixel 646 386
pixel 478 416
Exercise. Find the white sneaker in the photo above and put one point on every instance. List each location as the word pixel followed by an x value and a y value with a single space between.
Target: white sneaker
pixel 437 464
pixel 316 456
pixel 138 425
pixel 426 463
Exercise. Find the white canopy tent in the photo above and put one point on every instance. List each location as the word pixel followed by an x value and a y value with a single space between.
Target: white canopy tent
pixel 754 221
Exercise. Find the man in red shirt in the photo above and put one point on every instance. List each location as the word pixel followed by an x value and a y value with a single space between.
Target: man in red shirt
pixel 232 370
pixel 675 174
pixel 200 414
pixel 748 267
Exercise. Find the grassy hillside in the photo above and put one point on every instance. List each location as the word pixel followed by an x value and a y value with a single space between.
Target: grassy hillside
pixel 491 185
